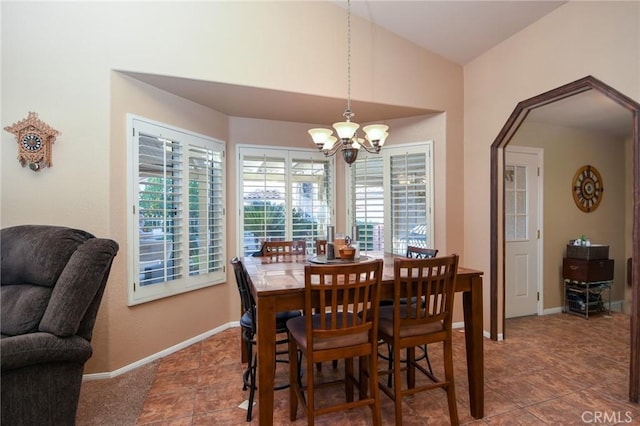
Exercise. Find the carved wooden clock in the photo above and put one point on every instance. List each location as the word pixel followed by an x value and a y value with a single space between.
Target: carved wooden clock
pixel 587 188
pixel 35 139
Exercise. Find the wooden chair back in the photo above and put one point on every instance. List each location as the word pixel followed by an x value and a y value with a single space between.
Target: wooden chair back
pixel 431 280
pixel 271 248
pixel 421 252
pixel 342 290
pixel 321 247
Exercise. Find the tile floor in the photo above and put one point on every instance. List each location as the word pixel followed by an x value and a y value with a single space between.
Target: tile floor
pixel 556 369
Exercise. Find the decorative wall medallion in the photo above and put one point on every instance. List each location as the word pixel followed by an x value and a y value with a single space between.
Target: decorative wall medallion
pixel 587 188
pixel 35 140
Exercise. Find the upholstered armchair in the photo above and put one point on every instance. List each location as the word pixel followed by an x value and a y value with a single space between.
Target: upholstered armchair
pixel 52 281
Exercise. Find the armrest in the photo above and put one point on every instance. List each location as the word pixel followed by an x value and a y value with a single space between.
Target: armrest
pixel 38 348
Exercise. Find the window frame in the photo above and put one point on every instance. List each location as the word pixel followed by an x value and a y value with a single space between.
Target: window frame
pixel 386 153
pixel 288 154
pixel 137 293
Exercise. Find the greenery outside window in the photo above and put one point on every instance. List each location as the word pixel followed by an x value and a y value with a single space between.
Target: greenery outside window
pixel 177 210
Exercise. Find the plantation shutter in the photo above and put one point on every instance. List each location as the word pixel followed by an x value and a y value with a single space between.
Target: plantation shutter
pixel 390 198
pixel 264 200
pixel 286 195
pixel 367 195
pixel 311 199
pixel 206 210
pixel 160 211
pixel 409 201
pixel 177 227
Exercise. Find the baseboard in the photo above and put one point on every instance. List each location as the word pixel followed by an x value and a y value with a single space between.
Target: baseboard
pixel 158 355
pixel 551 311
pixel 616 305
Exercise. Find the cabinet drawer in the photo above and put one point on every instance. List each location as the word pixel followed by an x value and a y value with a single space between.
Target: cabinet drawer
pixel 587 270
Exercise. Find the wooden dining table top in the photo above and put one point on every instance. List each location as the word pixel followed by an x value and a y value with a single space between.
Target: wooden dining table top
pixel 285 273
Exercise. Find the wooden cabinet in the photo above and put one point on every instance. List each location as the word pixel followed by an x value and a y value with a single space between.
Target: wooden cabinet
pixel 583 270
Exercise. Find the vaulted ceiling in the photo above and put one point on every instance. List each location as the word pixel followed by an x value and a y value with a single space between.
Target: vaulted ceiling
pixel 457 30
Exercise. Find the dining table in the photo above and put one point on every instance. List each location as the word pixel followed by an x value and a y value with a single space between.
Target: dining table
pixel 277 284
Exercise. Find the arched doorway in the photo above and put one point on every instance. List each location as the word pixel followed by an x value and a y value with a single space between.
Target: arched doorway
pixel 497 239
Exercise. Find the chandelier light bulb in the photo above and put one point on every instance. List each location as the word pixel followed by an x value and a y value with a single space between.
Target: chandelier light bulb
pixel 375 132
pixel 346 129
pixel 320 136
pixel 331 140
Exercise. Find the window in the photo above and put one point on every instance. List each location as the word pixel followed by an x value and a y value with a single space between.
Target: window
pixel 286 195
pixel 515 203
pixel 176 222
pixel 393 188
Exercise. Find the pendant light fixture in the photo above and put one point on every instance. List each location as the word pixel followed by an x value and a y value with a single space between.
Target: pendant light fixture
pixel 348 141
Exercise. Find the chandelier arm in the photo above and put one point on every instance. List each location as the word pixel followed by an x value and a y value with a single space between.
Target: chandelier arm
pixel 370 149
pixel 331 152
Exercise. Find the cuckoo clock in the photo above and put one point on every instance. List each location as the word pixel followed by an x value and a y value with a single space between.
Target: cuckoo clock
pixel 35 140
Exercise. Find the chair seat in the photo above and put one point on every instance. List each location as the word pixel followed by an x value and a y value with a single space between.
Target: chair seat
pixel 403 301
pixel 385 324
pixel 297 330
pixel 281 320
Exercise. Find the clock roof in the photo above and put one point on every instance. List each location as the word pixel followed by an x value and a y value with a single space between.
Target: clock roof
pixel 31 123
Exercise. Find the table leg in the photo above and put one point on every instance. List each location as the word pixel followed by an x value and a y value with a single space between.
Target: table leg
pixel 472 306
pixel 266 357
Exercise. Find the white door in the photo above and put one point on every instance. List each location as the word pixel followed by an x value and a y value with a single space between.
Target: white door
pixel 522 236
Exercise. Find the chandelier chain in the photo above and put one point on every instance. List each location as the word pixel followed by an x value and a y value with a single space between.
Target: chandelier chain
pixel 348 111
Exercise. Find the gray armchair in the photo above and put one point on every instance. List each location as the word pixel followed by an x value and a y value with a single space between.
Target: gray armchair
pixel 52 281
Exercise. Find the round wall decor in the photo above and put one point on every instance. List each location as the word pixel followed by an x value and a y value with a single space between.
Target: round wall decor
pixel 587 188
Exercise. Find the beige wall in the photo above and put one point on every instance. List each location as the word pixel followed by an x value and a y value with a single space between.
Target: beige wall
pixel 577 39
pixel 66 71
pixel 565 151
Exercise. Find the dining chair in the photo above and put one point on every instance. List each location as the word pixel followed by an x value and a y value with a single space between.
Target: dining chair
pixel 413 252
pixel 249 325
pixel 321 247
pixel 421 252
pixel 410 325
pixel 346 299
pixel 285 247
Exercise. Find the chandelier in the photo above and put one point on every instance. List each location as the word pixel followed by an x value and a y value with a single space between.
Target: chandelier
pixel 348 141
